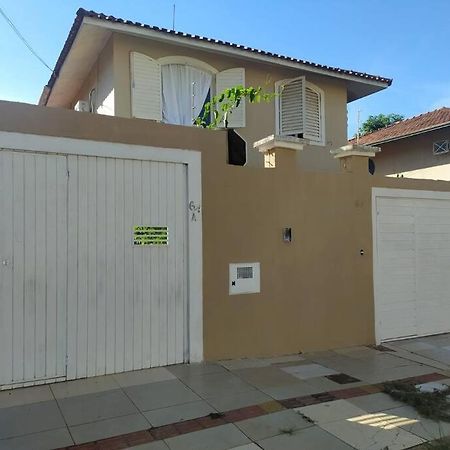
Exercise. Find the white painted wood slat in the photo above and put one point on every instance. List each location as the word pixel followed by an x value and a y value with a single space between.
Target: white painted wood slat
pixel 162 253
pixel 108 315
pixel 137 268
pixel 72 264
pixel 92 280
pixel 51 258
pixel 30 268
pixel 128 266
pixel 61 264
pixel 18 303
pixel 146 270
pixel 119 348
pixel 101 281
pixel 82 269
pixel 6 268
pixel 154 270
pixel 171 267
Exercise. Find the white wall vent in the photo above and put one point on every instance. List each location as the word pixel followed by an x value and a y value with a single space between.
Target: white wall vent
pixel 440 147
pixel 244 278
pixel 81 106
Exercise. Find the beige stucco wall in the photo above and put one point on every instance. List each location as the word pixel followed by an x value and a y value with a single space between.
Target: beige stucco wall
pixel 413 157
pixel 100 78
pixel 316 292
pixel 260 118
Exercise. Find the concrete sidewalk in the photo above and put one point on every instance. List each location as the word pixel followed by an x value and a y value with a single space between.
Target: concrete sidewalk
pixel 323 400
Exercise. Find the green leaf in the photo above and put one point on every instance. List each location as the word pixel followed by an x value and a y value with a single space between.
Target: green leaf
pixel 224 103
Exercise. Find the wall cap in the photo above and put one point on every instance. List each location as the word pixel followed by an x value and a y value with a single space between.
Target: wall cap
pixel 355 150
pixel 276 141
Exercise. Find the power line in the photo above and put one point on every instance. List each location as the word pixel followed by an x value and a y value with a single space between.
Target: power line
pixel 22 38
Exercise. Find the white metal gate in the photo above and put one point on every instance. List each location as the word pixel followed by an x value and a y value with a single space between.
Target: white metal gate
pixel 411 263
pixel 78 297
pixel 126 303
pixel 33 252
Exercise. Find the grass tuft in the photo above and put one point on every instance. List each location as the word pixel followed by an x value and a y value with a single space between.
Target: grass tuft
pixel 433 405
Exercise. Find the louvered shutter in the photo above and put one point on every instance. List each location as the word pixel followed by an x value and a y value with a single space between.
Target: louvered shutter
pixel 228 79
pixel 313 115
pixel 145 87
pixel 290 106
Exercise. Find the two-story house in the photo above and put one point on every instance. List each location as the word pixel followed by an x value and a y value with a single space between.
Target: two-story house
pixel 128 242
pixel 128 69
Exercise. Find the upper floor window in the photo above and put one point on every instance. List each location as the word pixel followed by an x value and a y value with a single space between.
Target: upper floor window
pixel 300 110
pixel 175 89
pixel 185 89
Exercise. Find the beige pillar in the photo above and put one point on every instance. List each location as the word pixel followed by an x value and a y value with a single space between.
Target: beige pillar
pixel 280 152
pixel 354 158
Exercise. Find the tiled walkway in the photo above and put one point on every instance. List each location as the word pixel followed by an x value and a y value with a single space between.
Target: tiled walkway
pixel 325 400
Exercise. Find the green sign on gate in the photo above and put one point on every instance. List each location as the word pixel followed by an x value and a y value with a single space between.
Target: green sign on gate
pixel 146 235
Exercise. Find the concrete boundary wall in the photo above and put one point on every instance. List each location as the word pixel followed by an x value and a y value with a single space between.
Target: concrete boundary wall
pixel 316 292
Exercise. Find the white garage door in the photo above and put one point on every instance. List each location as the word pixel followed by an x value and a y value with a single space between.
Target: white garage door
pixel 94 266
pixel 411 263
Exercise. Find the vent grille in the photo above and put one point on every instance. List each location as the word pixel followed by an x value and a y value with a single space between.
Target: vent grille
pixel 440 147
pixel 244 272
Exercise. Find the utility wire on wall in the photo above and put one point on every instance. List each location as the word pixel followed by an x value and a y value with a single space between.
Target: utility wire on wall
pixel 22 38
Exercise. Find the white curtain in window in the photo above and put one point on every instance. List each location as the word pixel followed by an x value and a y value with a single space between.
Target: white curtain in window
pixel 184 91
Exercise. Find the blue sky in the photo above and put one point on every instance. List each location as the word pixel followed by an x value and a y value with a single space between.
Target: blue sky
pixel 407 40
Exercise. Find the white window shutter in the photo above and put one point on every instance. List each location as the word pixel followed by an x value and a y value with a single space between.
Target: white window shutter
pixel 228 79
pixel 313 114
pixel 291 102
pixel 145 87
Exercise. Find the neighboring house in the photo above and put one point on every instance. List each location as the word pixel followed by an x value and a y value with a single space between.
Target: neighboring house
pixel 414 148
pixel 127 69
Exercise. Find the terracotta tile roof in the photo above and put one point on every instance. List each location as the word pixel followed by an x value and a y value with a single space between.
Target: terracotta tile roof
pixel 418 124
pixel 82 13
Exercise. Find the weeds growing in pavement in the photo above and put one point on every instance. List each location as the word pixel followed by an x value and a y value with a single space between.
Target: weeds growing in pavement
pixel 433 405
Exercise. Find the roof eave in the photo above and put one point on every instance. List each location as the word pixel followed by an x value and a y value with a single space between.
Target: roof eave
pixel 84 16
pixel 47 90
pixel 234 51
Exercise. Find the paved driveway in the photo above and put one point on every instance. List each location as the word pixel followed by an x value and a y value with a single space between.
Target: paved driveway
pixel 432 348
pixel 324 400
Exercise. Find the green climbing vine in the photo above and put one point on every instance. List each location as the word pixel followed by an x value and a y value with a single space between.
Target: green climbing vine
pixel 220 107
